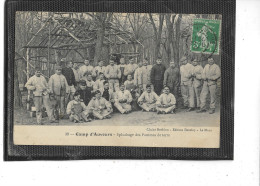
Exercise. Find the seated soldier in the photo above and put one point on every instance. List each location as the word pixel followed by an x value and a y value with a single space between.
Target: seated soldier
pixel 100 107
pixel 85 94
pixel 123 100
pixel 166 102
pixel 147 101
pixel 130 86
pixel 77 110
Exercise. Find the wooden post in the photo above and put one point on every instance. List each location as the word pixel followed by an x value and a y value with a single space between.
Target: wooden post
pixel 28 76
pixel 49 42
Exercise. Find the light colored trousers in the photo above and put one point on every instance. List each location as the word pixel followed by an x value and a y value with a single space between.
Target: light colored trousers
pixel 83 116
pixel 211 89
pixel 187 93
pixel 113 84
pixel 122 107
pixel 101 113
pixel 61 104
pixel 147 106
pixel 167 110
pixel 45 100
pixel 197 91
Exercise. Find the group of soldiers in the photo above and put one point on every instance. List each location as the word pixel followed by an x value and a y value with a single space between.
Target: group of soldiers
pixel 72 92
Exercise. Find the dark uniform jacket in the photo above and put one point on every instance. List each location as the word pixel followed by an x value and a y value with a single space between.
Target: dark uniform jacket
pixel 69 75
pixel 157 73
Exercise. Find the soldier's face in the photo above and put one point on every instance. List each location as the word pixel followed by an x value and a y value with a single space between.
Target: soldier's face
pixel 86 62
pixel 82 87
pixel 172 64
pixel 98 95
pixel 122 61
pixel 106 86
pixel 129 77
pixel 58 71
pixel 149 89
pixel 111 62
pixel 101 76
pixel 77 98
pixel 38 73
pixel 195 63
pixel 89 77
pixel 100 63
pixel 122 87
pixel 131 61
pixel 159 61
pixel 75 65
pixel 145 63
pixel 166 90
pixel 210 61
pixel 70 64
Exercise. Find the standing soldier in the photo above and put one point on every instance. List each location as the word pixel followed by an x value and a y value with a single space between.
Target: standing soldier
pixel 171 79
pixel 99 84
pixel 59 87
pixel 39 86
pixel 122 69
pixel 186 84
pixel 70 77
pixel 196 83
pixel 75 69
pixel 210 75
pixel 157 75
pixel 85 68
pixel 130 67
pixel 146 74
pixel 113 74
pixel 100 68
pixel 138 78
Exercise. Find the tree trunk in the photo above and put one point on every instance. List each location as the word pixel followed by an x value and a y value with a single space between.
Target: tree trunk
pixel 99 44
pixel 17 92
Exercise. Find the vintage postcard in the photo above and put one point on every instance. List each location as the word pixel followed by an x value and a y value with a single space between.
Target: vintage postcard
pixel 117 79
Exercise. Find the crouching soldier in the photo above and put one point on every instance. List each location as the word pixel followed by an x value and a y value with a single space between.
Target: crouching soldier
pixel 39 86
pixel 147 101
pixel 100 107
pixel 123 100
pixel 166 102
pixel 210 75
pixel 77 110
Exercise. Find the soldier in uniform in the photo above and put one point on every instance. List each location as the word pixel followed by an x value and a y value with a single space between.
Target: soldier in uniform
pixel 166 102
pixel 123 99
pixel 100 107
pixel 171 79
pixel 186 84
pixel 113 74
pixel 60 89
pixel 147 101
pixel 210 75
pixel 77 110
pixel 85 68
pixel 146 74
pixel 157 75
pixel 39 86
pixel 98 69
pixel 196 82
pixel 130 67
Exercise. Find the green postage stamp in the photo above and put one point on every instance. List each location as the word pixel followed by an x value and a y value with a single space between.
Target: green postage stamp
pixel 206 36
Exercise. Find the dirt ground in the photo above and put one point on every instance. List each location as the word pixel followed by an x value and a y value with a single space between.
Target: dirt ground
pixel 137 118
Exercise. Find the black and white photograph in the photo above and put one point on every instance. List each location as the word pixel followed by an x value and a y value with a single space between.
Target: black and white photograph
pixel 118 69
